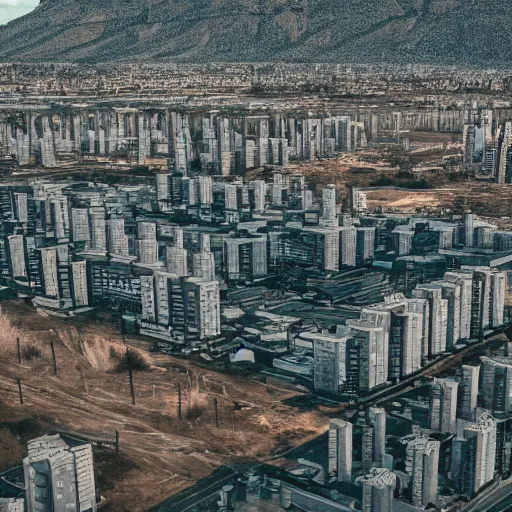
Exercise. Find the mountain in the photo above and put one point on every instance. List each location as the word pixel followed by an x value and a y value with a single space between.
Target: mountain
pixel 467 32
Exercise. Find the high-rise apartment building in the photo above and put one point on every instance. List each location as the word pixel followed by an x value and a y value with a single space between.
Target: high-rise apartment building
pixel 147 244
pixel 202 308
pixel 422 466
pixel 117 241
pixel 329 208
pixel 79 283
pixel 203 261
pixel 365 245
pixel 443 405
pixel 348 246
pixel 438 316
pixel 246 258
pixel 177 261
pixel 340 450
pixel 59 477
pixel 496 385
pixel 377 420
pixel 17 256
pixel 367 366
pixel 468 392
pixel 50 271
pixel 465 282
pixel 330 361
pixel 80 228
pixel 378 488
pixel 474 455
pixel 452 294
pixel 98 233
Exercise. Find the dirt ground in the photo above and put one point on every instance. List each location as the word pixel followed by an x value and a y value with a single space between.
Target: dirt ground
pixel 159 454
pixel 488 200
pixel 448 191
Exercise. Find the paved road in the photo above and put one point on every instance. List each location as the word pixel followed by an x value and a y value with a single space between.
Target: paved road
pixel 499 501
pixel 210 489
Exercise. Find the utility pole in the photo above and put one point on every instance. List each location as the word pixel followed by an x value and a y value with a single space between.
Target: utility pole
pixel 179 401
pixel 216 406
pixel 130 374
pixel 19 349
pixel 52 346
pixel 132 391
pixel 20 391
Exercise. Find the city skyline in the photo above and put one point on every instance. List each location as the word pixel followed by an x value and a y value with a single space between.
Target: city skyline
pixel 255 256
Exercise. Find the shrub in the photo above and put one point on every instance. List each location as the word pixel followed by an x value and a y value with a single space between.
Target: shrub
pixel 114 354
pixel 382 181
pixel 31 352
pixel 134 360
pixel 419 184
pixel 404 175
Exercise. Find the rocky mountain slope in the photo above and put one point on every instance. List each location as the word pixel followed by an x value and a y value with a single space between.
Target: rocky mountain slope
pixel 467 32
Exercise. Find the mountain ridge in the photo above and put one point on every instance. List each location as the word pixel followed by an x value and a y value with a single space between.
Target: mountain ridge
pixel 465 32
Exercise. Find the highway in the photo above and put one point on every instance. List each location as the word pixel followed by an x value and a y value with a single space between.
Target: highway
pixel 499 501
pixel 431 369
pixel 203 490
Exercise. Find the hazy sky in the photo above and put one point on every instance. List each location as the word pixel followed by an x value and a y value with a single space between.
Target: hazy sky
pixel 10 9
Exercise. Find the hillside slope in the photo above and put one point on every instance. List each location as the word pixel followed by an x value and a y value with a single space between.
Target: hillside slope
pixel 159 453
pixel 403 31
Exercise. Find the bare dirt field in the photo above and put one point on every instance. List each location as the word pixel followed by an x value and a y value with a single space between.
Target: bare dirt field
pixel 443 190
pixel 159 454
pixel 488 200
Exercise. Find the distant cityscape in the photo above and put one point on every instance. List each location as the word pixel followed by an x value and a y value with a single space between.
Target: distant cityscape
pixel 215 232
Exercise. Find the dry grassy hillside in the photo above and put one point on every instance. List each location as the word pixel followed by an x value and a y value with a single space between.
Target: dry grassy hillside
pixel 159 454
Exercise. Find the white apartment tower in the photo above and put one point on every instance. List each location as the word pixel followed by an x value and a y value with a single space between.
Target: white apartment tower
pixel 340 450
pixel 117 240
pixel 330 361
pixel 80 225
pixel 177 261
pixel 203 261
pixel 438 312
pixel 468 392
pixel 329 209
pixel 443 405
pixel 17 255
pixel 60 475
pixel 98 233
pixel 80 290
pixel 378 488
pixel 422 466
pixel 348 246
pixel 377 419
